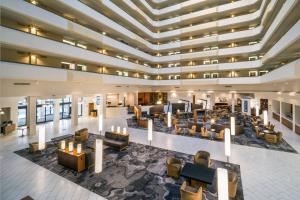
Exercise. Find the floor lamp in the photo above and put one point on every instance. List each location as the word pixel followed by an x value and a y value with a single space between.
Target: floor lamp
pixel 42 138
pixel 232 127
pixel 227 143
pixel 100 122
pixel 169 120
pixel 223 193
pixel 150 130
pixel 98 155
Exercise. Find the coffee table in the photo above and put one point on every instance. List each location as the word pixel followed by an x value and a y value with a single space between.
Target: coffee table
pixel 198 172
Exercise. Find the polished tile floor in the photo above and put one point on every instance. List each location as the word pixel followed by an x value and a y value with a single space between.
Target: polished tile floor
pixel 266 174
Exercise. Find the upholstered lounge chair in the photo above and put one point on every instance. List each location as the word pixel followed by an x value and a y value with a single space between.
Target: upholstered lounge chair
pixel 190 193
pixel 34 147
pixel 192 131
pixel 173 167
pixel 232 184
pixel 220 135
pixel 82 135
pixel 202 158
pixel 177 130
pixel 204 133
pixel 258 133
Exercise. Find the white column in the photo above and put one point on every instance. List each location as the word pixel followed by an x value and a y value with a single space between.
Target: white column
pixel 280 110
pixel 31 115
pixel 56 113
pixel 85 111
pixel 74 111
pixel 294 117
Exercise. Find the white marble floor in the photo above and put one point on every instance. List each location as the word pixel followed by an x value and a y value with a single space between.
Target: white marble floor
pixel 266 174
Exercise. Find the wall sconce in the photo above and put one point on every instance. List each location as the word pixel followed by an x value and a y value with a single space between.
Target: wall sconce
pixel 98 155
pixel 265 117
pixel 78 148
pixel 70 146
pixel 33 59
pixel 169 120
pixel 232 125
pixel 222 175
pixel 42 138
pixel 227 143
pixel 150 130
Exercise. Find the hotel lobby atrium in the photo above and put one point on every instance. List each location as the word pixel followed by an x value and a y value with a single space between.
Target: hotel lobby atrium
pixel 150 100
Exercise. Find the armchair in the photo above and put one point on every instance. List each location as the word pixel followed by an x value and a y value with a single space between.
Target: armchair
pixel 81 135
pixel 220 135
pixel 204 133
pixel 279 136
pixel 173 167
pixel 202 158
pixel 258 133
pixel 192 131
pixel 190 193
pixel 177 129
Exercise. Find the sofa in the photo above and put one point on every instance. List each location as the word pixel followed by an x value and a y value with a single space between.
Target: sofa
pixel 81 135
pixel 7 127
pixel 116 140
pixel 173 167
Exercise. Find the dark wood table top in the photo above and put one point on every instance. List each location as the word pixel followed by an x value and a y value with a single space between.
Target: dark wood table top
pixel 198 172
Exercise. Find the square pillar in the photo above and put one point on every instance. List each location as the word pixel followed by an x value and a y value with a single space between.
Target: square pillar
pixel 280 110
pixel 56 112
pixel 31 115
pixel 74 111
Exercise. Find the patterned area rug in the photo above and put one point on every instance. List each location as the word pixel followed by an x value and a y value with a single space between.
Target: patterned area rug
pixel 139 172
pixel 248 138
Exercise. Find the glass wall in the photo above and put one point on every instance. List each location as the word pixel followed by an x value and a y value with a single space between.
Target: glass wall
pixel 22 112
pixel 44 110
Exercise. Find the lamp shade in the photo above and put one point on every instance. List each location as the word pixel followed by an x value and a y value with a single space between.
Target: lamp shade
pixel 98 155
pixel 71 146
pixel 232 125
pixel 112 128
pixel 265 117
pixel 124 131
pixel 150 129
pixel 63 144
pixel 222 184
pixel 227 142
pixel 118 129
pixel 42 138
pixel 78 148
pixel 169 119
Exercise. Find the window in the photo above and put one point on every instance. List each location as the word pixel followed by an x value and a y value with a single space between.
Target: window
pixel 206 75
pixel 214 75
pixel 251 58
pixel 252 73
pixel 263 72
pixel 44 111
pixel 22 113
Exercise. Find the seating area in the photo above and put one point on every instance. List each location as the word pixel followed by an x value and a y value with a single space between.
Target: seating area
pixel 249 130
pixel 173 176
